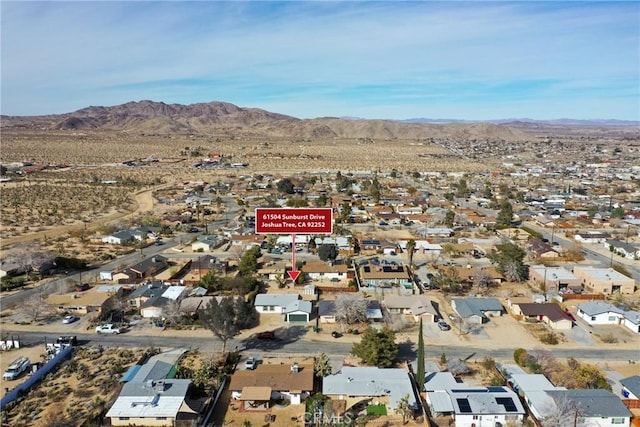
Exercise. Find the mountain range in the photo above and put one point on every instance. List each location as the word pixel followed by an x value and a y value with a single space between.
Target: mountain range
pixel 223 118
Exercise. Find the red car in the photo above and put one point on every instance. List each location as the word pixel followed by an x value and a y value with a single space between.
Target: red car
pixel 266 335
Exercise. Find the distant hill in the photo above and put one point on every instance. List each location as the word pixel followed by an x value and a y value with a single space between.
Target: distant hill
pixel 224 118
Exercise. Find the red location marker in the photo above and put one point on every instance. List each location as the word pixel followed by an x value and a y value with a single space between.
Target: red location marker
pixel 293 274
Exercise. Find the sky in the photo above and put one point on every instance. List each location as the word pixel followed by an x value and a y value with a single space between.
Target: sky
pixel 475 60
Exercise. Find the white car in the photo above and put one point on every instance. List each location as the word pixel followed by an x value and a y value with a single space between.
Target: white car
pixel 107 329
pixel 69 319
pixel 251 363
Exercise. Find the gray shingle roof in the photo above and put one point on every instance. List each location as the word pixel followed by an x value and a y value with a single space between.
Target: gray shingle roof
pixel 632 384
pixel 593 402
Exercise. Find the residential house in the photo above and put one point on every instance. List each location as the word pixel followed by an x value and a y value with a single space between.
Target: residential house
pixel 246 241
pixel 631 387
pixel 204 264
pixel 190 305
pixel 143 270
pixel 150 398
pixel 95 299
pixel 422 246
pixel 121 237
pixel 592 237
pixel 477 310
pixel 481 406
pixel 327 311
pixel 602 313
pixel 10 269
pixel 533 390
pixel 293 308
pixel 145 292
pixel 418 306
pixel 370 384
pixel 549 313
pixel 205 243
pixel 155 306
pixel 555 279
pixel 592 407
pixel 471 406
pixel 385 276
pixel 468 274
pixel 604 280
pixel 623 249
pixel 539 249
pixel 255 387
pixel 325 272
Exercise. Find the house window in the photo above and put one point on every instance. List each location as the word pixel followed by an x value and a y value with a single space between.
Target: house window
pixel 123 418
pixel 593 318
pixel 475 417
pixel 618 420
pixel 612 318
pixel 161 418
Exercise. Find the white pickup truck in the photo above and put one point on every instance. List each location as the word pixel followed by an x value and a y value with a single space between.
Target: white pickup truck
pixel 107 329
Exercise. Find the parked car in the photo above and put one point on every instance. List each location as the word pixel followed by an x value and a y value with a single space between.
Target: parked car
pixel 444 326
pixel 107 329
pixel 251 363
pixel 276 251
pixel 67 339
pixel 70 318
pixel 266 335
pixel 336 334
pixel 17 367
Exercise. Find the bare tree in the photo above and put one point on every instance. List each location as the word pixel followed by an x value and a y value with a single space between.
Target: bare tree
pixel 29 257
pixel 35 305
pixel 351 309
pixel 562 412
pixel 171 311
pixel 458 367
pixel 481 279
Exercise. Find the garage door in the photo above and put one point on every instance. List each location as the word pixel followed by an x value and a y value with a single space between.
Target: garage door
pixel 297 318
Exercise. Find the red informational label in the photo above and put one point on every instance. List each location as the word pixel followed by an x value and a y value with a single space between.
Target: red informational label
pixel 294 220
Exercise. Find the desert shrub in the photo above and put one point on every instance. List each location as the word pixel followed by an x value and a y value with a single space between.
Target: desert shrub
pixel 549 338
pixel 608 338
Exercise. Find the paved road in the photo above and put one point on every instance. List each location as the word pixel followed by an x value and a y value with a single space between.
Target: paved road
pixel 296 343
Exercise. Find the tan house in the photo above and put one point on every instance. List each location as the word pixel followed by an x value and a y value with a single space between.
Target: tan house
pixel 91 300
pixel 417 306
pixel 385 276
pixel 604 280
pixel 555 279
pixel 549 313
pixel 256 387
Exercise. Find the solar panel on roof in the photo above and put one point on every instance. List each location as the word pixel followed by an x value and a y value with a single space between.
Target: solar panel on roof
pixel 508 404
pixel 464 406
pixel 495 389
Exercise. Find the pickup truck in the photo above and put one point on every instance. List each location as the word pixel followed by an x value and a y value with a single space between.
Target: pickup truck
pixel 107 329
pixel 17 367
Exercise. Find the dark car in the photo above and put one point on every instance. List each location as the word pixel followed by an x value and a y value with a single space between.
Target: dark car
pixel 336 334
pixel 72 339
pixel 444 326
pixel 266 335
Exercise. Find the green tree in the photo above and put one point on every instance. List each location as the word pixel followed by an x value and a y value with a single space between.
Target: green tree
pixel 617 212
pixel 249 262
pixel 420 374
pixel 321 201
pixel 461 189
pixel 509 259
pixel 321 366
pixel 285 186
pixel 449 218
pixel 505 214
pixel 297 202
pixel 377 348
pixel 327 252
pixel 210 281
pixel 345 212
pixel 227 318
pixel 404 408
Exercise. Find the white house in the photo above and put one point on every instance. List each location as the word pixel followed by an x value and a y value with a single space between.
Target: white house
pixel 297 311
pixel 593 407
pixel 205 243
pixel 631 387
pixel 274 303
pixel 119 238
pixel 490 406
pixel 370 383
pixel 602 313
